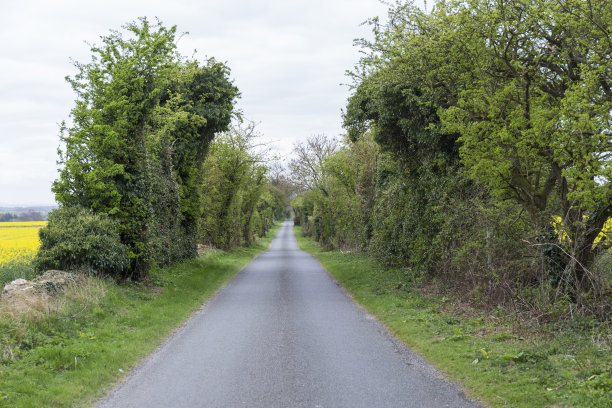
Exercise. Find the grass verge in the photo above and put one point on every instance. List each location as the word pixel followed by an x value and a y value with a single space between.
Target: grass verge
pixel 497 360
pixel 68 350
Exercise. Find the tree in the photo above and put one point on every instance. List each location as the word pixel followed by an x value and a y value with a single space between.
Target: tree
pixel 141 109
pixel 338 190
pixel 520 93
pixel 196 105
pixel 278 177
pixel 535 124
pixel 234 179
pixel 307 168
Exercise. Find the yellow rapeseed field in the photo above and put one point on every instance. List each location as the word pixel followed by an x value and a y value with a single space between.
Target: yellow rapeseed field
pixel 19 240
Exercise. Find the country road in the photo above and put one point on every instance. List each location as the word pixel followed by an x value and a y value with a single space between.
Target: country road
pixel 284 334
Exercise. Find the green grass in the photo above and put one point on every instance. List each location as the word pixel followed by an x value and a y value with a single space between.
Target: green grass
pixel 12 270
pixel 497 360
pixel 72 357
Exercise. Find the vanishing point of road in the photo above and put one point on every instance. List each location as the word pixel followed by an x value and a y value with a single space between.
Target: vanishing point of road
pixel 283 334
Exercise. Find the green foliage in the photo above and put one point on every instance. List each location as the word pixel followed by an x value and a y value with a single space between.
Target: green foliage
pixel 402 119
pixel 140 130
pixel 337 210
pixel 104 162
pixel 198 105
pixel 238 203
pixel 534 119
pixel 77 239
pixel 16 269
pixel 492 118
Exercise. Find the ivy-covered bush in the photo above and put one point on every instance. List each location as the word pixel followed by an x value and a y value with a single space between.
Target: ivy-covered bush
pixel 141 127
pixel 76 239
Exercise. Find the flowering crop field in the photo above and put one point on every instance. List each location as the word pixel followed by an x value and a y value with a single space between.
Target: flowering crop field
pixel 19 240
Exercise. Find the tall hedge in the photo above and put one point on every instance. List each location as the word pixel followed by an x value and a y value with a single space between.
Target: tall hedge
pixel 141 125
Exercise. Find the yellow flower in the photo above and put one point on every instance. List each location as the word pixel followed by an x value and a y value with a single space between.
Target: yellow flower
pixel 19 240
pixel 606 231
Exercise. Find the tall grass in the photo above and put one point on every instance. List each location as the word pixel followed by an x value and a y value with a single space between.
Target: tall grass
pixel 18 245
pixel 15 269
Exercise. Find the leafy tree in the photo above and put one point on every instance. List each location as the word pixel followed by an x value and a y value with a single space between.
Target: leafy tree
pixel 233 184
pixel 281 187
pixel 420 162
pixel 197 104
pixel 104 162
pixel 276 198
pixel 521 90
pixel 535 122
pixel 337 210
pixel 309 173
pixel 140 128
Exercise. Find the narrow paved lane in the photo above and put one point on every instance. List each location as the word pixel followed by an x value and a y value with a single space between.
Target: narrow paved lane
pixel 283 334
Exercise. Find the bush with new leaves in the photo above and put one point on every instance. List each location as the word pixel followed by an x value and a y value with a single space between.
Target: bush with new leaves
pixel 76 239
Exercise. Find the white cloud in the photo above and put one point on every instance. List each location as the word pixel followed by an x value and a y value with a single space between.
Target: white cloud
pixel 288 59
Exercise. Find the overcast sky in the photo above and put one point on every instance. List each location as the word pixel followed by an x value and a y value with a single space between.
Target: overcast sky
pixel 287 57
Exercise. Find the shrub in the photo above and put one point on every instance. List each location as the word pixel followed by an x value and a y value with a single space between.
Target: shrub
pixel 76 239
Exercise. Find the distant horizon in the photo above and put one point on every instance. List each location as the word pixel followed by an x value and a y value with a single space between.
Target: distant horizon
pixel 27 206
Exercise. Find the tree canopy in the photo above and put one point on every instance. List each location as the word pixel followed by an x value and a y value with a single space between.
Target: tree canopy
pixel 493 120
pixel 521 89
pixel 141 125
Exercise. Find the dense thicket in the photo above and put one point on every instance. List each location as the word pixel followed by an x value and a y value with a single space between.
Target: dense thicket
pixel 240 203
pixel 493 123
pixel 140 131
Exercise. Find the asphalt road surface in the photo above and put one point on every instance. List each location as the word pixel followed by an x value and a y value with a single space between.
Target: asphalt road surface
pixel 282 333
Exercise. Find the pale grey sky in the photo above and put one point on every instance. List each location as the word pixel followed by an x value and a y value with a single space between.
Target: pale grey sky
pixel 287 57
